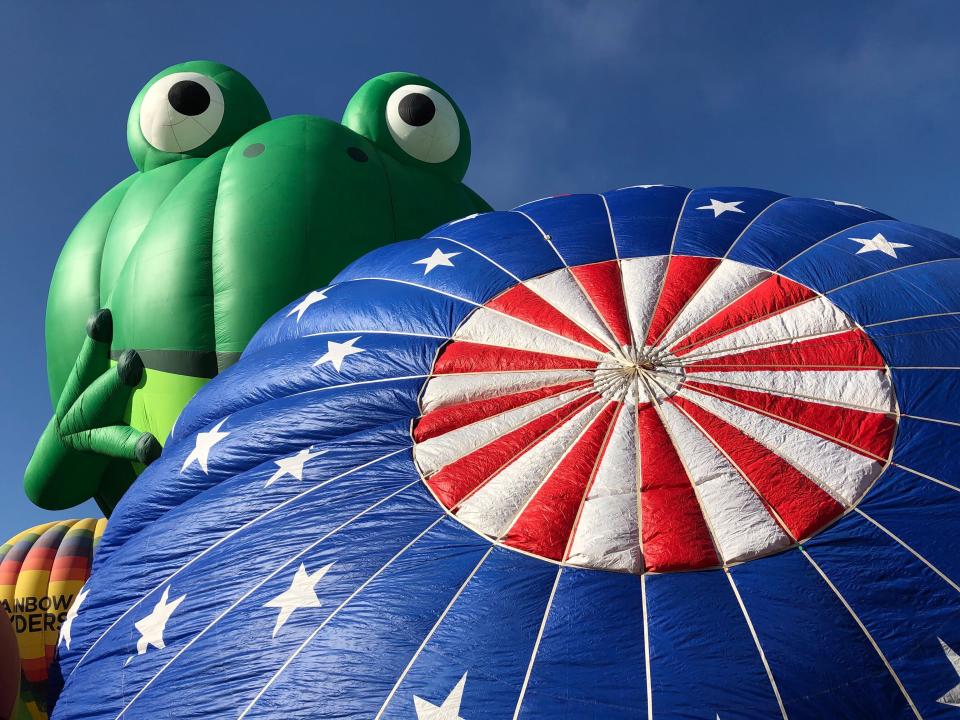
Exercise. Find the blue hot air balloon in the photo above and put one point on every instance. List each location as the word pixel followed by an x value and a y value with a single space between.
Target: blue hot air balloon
pixel 654 453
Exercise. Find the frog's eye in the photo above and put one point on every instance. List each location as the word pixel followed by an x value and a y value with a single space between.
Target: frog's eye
pixel 181 111
pixel 423 123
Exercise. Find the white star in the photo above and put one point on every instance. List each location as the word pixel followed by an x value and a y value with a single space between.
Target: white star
pixel 436 260
pixel 311 299
pixel 152 626
pixel 643 187
pixel 293 465
pixel 879 242
pixel 841 203
pixel 449 710
pixel 301 594
pixel 336 352
pixel 719 207
pixel 951 697
pixel 205 441
pixel 468 217
pixel 67 625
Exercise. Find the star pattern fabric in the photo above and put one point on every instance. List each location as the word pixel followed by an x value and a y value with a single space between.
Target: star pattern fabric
pixel 719 207
pixel 204 443
pixel 67 626
pixel 878 243
pixel 337 352
pixel 302 593
pixel 952 696
pixel 293 465
pixel 152 626
pixel 449 709
pixel 312 299
pixel 437 259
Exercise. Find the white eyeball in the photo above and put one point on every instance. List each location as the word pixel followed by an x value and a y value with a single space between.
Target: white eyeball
pixel 181 111
pixel 423 123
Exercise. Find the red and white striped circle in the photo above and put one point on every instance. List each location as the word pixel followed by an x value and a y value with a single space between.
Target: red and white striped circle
pixel 655 414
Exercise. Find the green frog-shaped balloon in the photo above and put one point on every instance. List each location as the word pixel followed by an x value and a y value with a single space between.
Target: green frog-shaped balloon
pixel 229 217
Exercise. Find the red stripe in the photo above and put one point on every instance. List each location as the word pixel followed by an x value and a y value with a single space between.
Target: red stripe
pixel 602 283
pixel 443 420
pixel 524 304
pixel 772 296
pixel 684 276
pixel 675 535
pixel 463 476
pixel 850 349
pixel 545 525
pixel 870 433
pixel 803 505
pixel 468 357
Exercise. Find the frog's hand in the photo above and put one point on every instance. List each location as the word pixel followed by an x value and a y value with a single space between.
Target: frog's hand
pixel 77 456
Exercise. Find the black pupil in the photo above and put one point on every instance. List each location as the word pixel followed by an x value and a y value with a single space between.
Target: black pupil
pixel 188 97
pixel 417 109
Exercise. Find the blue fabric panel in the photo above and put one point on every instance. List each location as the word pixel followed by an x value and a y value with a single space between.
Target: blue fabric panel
pixel 822 662
pixel 644 219
pixel 578 226
pixel 841 259
pixel 702 231
pixel 703 661
pixel 907 292
pixel 350 667
pixel 896 502
pixel 489 633
pixel 596 659
pixel 921 342
pixel 929 448
pixel 471 276
pixel 881 591
pixel 366 305
pixel 791 226
pixel 928 393
pixel 508 238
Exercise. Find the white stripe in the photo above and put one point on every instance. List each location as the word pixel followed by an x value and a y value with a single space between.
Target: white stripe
pixel 536 645
pixel 226 537
pixel 642 278
pixel 843 473
pixel 453 389
pixel 263 582
pixel 863 628
pixel 726 283
pixel 433 454
pixel 494 328
pixel 493 508
pixel 741 525
pixel 330 617
pixel 868 390
pixel 562 290
pixel 814 317
pixel 607 533
pixel 426 639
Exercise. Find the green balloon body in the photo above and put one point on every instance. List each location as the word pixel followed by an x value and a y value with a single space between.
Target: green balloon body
pixel 229 217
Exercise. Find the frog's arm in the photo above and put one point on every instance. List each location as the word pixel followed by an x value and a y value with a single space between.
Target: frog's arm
pixel 86 449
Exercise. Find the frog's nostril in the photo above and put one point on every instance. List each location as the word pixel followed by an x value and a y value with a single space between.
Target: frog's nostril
pixel 357 154
pixel 417 109
pixel 188 97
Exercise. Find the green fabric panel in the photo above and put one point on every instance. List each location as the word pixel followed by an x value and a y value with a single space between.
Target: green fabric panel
pixel 156 404
pixel 290 217
pixel 163 298
pixel 75 287
pixel 142 199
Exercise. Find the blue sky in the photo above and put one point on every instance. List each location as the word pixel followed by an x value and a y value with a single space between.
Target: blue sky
pixel 853 101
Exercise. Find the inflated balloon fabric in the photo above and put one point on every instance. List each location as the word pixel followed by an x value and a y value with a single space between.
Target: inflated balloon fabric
pixel 42 572
pixel 655 453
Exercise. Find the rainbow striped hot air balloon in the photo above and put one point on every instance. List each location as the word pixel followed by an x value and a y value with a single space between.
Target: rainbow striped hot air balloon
pixel 42 571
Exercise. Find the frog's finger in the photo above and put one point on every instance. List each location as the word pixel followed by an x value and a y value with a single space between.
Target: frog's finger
pixel 92 362
pixel 118 441
pixel 102 401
